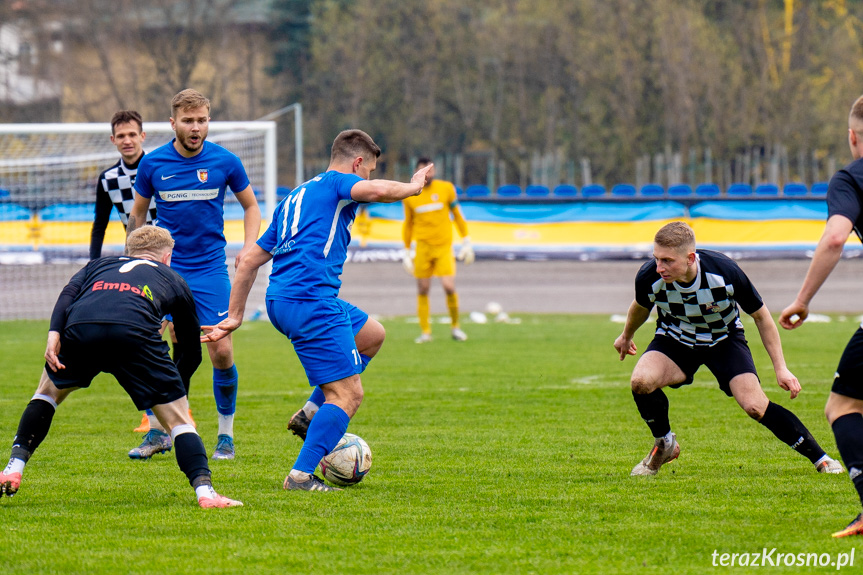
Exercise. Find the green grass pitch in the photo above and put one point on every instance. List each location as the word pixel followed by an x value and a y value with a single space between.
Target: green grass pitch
pixel 509 453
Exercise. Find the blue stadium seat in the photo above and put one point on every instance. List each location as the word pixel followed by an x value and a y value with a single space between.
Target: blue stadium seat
pixel 767 190
pixel 67 213
pixel 794 189
pixel 819 189
pixel 652 191
pixel 707 191
pixel 509 191
pixel 739 190
pixel 13 212
pixel 623 191
pixel 593 191
pixel 4 193
pixel 536 192
pixel 477 191
pixel 281 192
pixel 565 191
pixel 459 192
pixel 679 191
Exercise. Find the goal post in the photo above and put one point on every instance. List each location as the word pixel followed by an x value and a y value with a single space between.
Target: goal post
pixel 48 177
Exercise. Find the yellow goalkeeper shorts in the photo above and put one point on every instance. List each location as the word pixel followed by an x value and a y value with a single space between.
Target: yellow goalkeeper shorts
pixel 434 260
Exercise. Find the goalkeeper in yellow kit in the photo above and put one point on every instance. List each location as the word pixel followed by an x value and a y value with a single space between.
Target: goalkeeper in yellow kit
pixel 428 224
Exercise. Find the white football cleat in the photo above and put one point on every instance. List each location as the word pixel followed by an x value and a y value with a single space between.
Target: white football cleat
pixel 828 465
pixel 458 334
pixel 660 454
pixel 423 338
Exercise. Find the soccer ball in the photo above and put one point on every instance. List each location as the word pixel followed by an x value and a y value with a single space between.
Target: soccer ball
pixel 348 462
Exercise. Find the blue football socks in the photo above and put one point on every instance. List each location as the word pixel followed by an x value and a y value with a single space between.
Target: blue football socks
pixel 317 396
pixel 325 431
pixel 225 389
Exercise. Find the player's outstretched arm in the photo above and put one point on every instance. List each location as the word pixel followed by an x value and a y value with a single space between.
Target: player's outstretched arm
pixel 827 254
pixel 244 279
pixel 773 344
pixel 635 318
pixel 388 191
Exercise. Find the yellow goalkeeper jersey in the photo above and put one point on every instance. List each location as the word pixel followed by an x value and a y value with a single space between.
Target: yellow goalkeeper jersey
pixel 427 216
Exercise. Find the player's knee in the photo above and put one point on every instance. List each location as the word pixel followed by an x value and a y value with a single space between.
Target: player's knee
pixel 754 410
pixel 640 384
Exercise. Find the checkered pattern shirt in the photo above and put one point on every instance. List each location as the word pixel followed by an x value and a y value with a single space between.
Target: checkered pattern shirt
pixel 117 181
pixel 114 188
pixel 704 313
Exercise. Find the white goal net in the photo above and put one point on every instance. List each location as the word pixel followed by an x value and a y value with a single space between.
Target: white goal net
pixel 48 176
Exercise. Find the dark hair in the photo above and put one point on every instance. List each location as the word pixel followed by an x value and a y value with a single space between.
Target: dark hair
pixel 350 144
pixel 125 116
pixel 422 161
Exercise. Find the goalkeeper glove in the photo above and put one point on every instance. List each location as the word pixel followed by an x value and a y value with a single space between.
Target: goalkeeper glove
pixel 466 253
pixel 407 261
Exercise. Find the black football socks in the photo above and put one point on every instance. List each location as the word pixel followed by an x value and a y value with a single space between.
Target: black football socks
pixel 791 431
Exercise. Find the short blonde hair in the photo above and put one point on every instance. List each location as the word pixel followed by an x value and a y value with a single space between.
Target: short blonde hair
pixel 149 239
pixel 188 99
pixel 676 235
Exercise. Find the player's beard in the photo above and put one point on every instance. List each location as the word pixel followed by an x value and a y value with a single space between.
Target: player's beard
pixel 192 147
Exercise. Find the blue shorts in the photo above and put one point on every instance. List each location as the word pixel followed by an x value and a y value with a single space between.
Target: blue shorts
pixel 211 287
pixel 323 333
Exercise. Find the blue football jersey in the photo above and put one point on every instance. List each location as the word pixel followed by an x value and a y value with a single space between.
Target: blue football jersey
pixel 309 236
pixel 190 198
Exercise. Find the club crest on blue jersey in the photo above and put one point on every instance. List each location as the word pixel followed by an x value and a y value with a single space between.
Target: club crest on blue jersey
pixel 202 176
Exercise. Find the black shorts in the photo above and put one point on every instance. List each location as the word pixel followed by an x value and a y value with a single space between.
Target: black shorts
pixel 141 362
pixel 849 374
pixel 725 360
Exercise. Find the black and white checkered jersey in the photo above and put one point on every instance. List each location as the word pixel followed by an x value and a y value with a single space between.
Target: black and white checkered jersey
pixel 114 189
pixel 705 312
pixel 118 181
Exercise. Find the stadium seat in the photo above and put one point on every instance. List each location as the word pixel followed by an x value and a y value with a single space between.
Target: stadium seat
pixel 67 213
pixel 623 191
pixel 509 191
pixel 707 190
pixel 794 189
pixel 679 191
pixel 593 191
pixel 819 189
pixel 281 192
pixel 4 193
pixel 767 190
pixel 739 190
pixel 536 192
pixel 652 191
pixel 13 212
pixel 565 191
pixel 477 191
pixel 459 192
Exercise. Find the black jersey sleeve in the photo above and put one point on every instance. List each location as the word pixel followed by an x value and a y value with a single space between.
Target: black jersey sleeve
pixel 745 294
pixel 187 328
pixel 67 296
pixel 644 281
pixel 100 221
pixel 843 196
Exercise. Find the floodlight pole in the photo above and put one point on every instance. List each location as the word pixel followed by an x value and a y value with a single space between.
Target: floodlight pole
pixel 298 134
